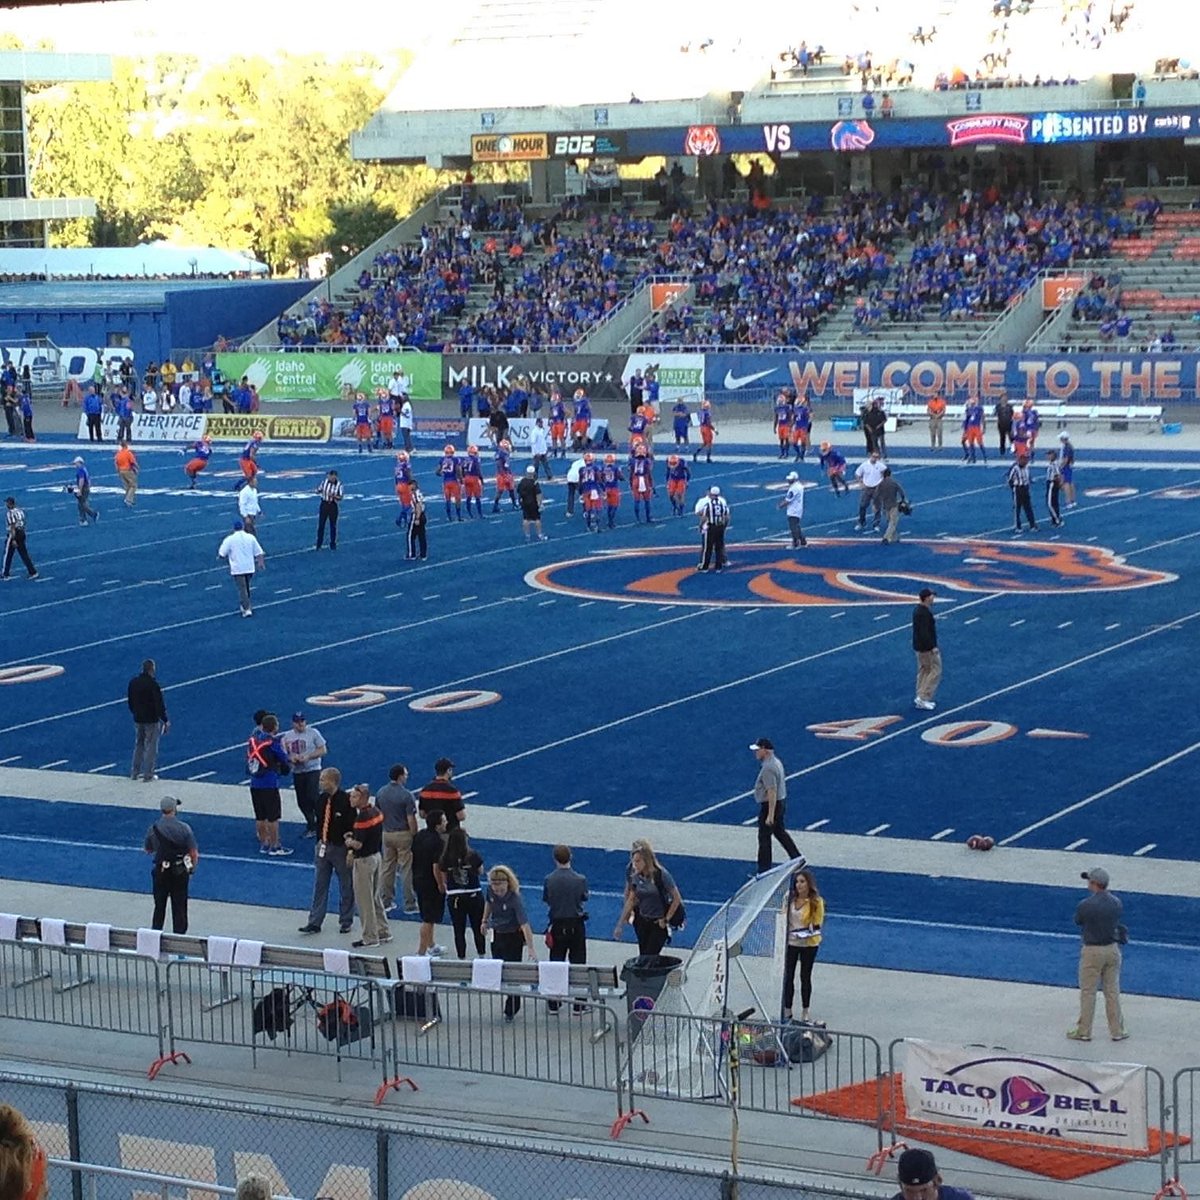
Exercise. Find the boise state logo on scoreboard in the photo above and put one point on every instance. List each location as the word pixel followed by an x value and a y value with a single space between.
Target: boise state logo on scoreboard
pixel 841 572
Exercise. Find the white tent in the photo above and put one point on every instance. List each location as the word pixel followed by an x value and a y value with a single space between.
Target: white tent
pixel 156 260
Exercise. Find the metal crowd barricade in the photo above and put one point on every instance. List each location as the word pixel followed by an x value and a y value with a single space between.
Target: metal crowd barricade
pixel 686 1057
pixel 282 1009
pixel 107 990
pixel 455 1027
pixel 1185 1095
pixel 1155 1116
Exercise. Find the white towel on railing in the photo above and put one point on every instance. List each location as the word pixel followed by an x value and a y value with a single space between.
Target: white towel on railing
pixel 487 974
pixel 149 942
pixel 54 931
pixel 246 953
pixel 335 961
pixel 554 978
pixel 8 927
pixel 415 968
pixel 220 951
pixel 97 936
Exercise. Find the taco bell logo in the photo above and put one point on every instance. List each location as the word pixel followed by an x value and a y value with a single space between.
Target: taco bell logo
pixel 1021 1096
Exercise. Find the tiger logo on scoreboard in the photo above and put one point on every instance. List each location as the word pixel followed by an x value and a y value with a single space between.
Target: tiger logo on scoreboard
pixel 702 140
pixel 837 571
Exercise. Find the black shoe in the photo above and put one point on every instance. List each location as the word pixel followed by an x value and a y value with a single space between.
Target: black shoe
pixel 345 928
pixel 310 929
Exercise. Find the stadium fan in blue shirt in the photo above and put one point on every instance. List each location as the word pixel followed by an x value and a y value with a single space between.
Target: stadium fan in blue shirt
pixel 652 388
pixel 681 420
pixel 242 397
pixel 466 397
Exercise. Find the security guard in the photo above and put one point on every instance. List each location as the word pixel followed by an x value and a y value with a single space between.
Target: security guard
pixel 175 857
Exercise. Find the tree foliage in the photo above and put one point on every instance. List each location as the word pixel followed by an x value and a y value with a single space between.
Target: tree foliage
pixel 248 154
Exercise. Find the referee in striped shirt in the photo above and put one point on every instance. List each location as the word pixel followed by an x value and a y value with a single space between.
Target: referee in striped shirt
pixel 330 492
pixel 714 515
pixel 14 542
pixel 1018 482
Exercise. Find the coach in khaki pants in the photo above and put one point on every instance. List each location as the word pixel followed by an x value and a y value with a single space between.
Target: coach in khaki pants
pixel 365 843
pixel 399 808
pixel 1099 920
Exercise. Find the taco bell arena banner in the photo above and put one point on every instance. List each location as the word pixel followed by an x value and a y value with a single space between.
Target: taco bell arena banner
pixel 974 1088
pixel 1100 378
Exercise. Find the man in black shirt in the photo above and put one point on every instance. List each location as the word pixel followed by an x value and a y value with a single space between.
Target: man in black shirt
pixel 428 882
pixel 529 496
pixel 1003 412
pixel 365 842
pixel 175 856
pixel 149 709
pixel 335 819
pixel 929 657
pixel 563 894
pixel 874 421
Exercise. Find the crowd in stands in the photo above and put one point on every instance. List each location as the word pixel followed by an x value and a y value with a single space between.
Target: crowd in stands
pixel 763 276
pixel 548 285
pixel 766 278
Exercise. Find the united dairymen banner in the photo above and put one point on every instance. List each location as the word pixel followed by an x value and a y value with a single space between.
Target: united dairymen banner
pixel 970 1088
pixel 1101 378
pixel 321 375
pixel 150 427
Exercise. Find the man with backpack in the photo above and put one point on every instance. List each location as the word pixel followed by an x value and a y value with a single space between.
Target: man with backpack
pixel 266 761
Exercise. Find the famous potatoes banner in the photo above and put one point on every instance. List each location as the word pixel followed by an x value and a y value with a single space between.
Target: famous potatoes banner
pixel 325 374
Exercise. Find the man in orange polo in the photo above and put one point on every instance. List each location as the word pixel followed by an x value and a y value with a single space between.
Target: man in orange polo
pixel 937 415
pixel 127 471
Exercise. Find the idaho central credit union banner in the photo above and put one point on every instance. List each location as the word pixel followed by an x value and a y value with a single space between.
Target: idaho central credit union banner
pixel 973 1088
pixel 1117 378
pixel 322 375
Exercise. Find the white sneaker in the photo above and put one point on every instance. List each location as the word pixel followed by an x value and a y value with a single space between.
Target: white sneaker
pixel 435 951
pixel 927 705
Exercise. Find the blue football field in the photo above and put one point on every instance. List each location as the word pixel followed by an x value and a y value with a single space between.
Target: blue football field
pixel 602 675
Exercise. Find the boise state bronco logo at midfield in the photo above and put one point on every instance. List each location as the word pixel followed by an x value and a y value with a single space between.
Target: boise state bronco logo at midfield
pixel 834 571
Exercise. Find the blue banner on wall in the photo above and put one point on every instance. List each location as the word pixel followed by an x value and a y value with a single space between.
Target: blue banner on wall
pixel 862 130
pixel 1097 378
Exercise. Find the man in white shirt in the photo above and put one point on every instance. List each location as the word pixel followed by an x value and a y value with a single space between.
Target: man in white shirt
pixel 793 501
pixel 397 387
pixel 869 474
pixel 573 484
pixel 406 423
pixel 244 555
pixel 539 448
pixel 248 506
pixel 150 400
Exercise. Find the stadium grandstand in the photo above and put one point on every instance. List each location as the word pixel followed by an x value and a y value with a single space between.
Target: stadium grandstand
pixel 797 214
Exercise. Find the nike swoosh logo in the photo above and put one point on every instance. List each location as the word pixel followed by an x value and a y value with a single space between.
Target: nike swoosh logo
pixel 733 382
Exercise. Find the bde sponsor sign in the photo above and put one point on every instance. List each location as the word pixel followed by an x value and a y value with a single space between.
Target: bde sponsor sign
pixel 1102 1103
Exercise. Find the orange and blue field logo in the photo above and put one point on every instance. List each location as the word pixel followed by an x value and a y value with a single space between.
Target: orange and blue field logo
pixel 841 571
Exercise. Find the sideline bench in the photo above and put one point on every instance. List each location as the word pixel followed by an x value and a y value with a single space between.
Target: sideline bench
pixel 583 981
pixel 1119 416
pixel 185 946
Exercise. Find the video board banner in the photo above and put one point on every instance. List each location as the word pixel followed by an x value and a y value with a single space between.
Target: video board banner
pixel 855 131
pixel 509 147
pixel 322 375
pixel 1113 379
pixel 599 375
